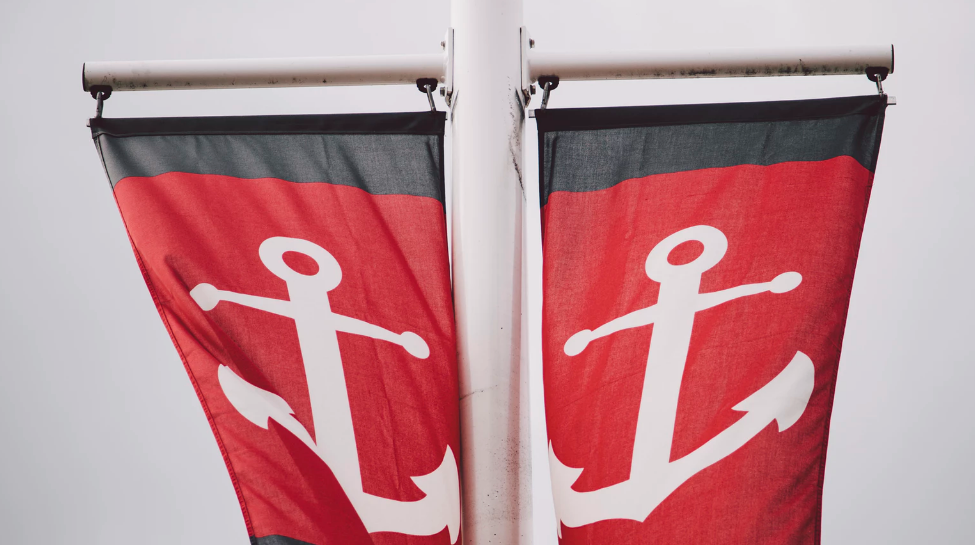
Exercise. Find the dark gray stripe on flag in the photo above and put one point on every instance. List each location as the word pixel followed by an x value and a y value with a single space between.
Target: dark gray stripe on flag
pixel 398 155
pixel 277 540
pixel 588 150
pixel 381 164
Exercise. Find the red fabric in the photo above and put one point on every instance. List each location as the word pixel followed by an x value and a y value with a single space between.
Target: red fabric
pixel 188 229
pixel 800 216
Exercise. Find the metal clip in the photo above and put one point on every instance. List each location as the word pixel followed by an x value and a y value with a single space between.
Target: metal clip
pixel 428 86
pixel 548 83
pixel 100 93
pixel 880 85
pixel 877 74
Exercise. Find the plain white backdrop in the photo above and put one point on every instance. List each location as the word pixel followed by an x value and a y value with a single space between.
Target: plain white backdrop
pixel 102 440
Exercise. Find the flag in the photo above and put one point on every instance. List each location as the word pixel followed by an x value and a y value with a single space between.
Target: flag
pixel 300 266
pixel 698 262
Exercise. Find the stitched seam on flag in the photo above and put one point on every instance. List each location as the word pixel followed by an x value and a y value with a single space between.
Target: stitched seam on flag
pixel 404 123
pixel 818 530
pixel 189 372
pixel 101 157
pixel 829 406
pixel 284 180
pixel 650 124
pixel 686 171
pixel 199 394
pixel 588 125
pixel 443 201
pixel 832 388
pixel 881 117
pixel 264 133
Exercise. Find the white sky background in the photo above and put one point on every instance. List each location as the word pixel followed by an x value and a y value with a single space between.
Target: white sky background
pixel 102 440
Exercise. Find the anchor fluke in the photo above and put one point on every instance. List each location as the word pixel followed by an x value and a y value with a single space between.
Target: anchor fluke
pixel 563 477
pixel 255 404
pixel 785 396
pixel 443 485
pixel 260 406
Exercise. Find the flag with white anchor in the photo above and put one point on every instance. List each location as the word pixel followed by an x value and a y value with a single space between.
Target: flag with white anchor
pixel 698 262
pixel 299 264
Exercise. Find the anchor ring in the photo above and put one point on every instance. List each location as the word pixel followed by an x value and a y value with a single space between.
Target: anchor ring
pixel 272 253
pixel 715 246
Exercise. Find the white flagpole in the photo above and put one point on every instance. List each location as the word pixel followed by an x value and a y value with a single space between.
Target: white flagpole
pixel 719 63
pixel 262 73
pixel 487 124
pixel 174 75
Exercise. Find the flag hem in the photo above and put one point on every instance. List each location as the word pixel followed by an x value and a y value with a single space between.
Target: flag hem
pixel 422 123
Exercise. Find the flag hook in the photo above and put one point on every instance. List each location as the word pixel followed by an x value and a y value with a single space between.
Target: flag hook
pixel 877 74
pixel 548 84
pixel 428 86
pixel 100 93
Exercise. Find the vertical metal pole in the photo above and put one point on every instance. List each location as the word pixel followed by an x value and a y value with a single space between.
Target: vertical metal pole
pixel 487 124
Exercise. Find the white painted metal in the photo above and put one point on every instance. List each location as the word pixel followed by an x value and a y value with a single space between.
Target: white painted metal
pixel 250 73
pixel 406 69
pixel 526 82
pixel 487 124
pixel 447 89
pixel 703 64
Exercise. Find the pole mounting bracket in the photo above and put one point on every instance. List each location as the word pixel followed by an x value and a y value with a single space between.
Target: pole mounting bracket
pixel 527 89
pixel 447 91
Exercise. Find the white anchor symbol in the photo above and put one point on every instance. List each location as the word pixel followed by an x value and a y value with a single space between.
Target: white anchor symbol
pixel 653 477
pixel 316 326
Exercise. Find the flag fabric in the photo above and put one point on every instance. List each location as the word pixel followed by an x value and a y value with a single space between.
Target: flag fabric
pixel 300 266
pixel 698 262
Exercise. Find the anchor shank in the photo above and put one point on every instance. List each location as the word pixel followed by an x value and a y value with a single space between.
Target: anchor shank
pixel 325 376
pixel 669 344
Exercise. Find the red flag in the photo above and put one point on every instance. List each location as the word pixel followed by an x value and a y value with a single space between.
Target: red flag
pixel 697 274
pixel 300 265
